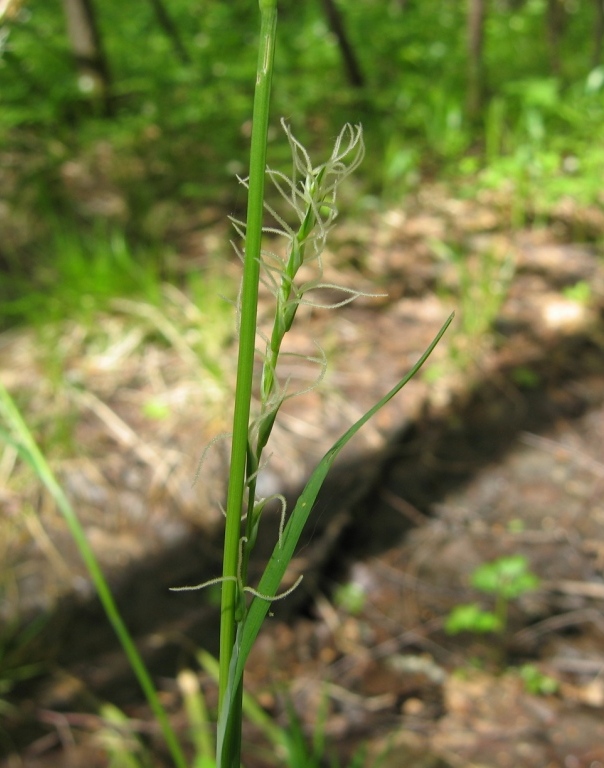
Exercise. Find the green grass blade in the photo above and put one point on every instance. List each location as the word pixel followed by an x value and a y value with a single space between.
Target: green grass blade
pixel 231 756
pixel 198 718
pixel 284 550
pixel 247 338
pixel 30 452
pixel 251 709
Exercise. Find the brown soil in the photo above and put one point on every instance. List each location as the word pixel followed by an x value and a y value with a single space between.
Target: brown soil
pixel 495 450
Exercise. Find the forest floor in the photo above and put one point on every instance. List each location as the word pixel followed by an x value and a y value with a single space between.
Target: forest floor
pixel 494 450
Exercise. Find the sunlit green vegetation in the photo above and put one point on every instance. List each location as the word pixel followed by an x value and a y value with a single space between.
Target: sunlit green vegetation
pixel 156 158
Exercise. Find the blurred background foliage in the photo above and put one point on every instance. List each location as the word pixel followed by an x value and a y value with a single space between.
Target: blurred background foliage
pixel 134 117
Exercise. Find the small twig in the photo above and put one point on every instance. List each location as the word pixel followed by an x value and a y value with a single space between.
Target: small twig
pixel 406 509
pixel 569 587
pixel 578 666
pixel 553 623
pixel 554 446
pixel 90 721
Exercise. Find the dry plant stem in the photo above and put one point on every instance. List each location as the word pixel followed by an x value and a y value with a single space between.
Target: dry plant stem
pixel 32 454
pixel 247 344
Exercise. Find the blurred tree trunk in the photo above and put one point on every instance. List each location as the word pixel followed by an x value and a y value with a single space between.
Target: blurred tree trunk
pixel 598 32
pixel 555 25
pixel 165 22
pixel 351 63
pixel 475 42
pixel 93 72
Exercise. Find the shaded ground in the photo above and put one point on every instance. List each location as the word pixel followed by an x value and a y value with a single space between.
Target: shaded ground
pixel 462 701
pixel 495 450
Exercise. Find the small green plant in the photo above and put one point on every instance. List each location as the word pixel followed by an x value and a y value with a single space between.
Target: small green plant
pixel 351 597
pixel 472 618
pixel 581 292
pixel 506 578
pixel 525 377
pixel 537 682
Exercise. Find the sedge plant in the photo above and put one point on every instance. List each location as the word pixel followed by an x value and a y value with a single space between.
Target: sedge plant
pixel 311 196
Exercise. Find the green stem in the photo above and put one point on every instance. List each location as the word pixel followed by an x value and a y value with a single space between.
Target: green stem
pixel 38 462
pixel 501 611
pixel 247 345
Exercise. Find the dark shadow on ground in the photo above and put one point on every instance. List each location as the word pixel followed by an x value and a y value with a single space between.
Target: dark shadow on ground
pixel 437 453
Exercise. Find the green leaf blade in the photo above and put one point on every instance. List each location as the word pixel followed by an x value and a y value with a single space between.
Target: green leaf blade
pixel 284 550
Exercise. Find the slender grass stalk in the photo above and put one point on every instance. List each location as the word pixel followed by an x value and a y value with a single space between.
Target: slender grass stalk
pixel 247 332
pixel 310 194
pixel 247 346
pixel 24 441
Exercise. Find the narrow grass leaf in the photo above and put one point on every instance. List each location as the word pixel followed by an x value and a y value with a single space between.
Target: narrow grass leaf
pixel 20 435
pixel 284 550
